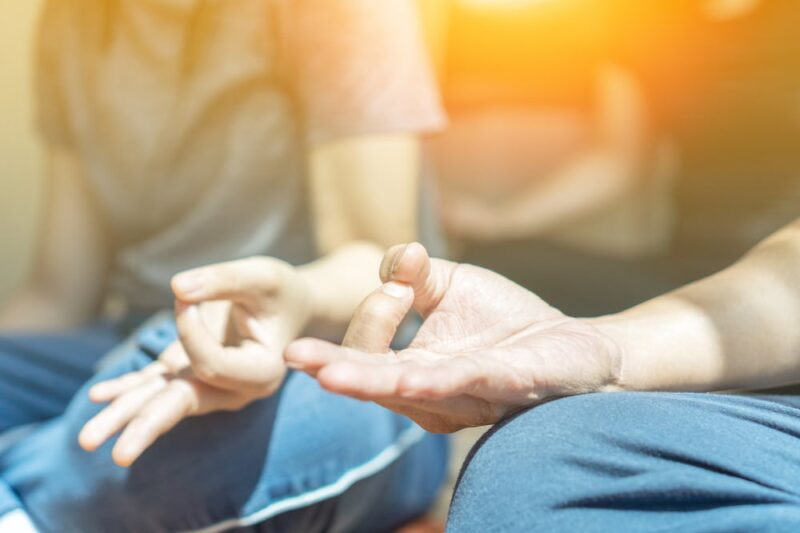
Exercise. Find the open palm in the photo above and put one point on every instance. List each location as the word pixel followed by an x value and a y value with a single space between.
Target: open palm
pixel 487 347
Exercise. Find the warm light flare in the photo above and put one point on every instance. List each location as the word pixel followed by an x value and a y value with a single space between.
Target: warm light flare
pixel 501 4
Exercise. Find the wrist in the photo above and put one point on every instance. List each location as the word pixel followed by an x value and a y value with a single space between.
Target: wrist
pixel 336 284
pixel 316 307
pixel 668 345
pixel 324 318
pixel 614 334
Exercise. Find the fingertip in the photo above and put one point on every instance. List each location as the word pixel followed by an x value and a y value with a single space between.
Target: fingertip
pixel 188 285
pixel 306 342
pixel 415 250
pixel 412 264
pixel 100 393
pixel 306 351
pixel 95 394
pixel 392 256
pixel 339 377
pixel 87 440
pixel 124 455
pixel 122 461
pixel 299 350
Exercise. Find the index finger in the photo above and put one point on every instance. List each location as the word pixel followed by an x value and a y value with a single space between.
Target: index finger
pixel 375 322
pixel 215 364
pixel 240 281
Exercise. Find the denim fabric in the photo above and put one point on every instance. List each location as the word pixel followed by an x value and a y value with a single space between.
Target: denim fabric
pixel 637 462
pixel 302 460
pixel 39 373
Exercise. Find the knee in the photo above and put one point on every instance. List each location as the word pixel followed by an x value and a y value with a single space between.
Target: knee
pixel 545 457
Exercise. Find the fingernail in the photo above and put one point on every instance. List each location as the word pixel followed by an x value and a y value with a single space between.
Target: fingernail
pixel 396 290
pixel 397 260
pixel 189 283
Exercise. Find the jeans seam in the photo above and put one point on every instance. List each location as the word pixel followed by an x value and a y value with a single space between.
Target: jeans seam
pixel 379 462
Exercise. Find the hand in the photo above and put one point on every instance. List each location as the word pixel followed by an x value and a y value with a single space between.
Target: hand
pixel 234 321
pixel 487 347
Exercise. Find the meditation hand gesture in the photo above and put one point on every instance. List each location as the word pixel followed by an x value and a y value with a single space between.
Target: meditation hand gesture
pixel 234 321
pixel 487 347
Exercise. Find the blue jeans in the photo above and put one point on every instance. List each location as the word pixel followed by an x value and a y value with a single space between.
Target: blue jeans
pixel 637 462
pixel 302 460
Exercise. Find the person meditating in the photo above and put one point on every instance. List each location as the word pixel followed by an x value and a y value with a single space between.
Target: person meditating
pixel 278 137
pixel 599 424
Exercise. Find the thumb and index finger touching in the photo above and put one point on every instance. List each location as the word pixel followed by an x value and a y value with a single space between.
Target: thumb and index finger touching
pixel 410 279
pixel 240 281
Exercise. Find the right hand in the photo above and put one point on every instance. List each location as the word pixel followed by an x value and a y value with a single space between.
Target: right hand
pixel 487 348
pixel 234 321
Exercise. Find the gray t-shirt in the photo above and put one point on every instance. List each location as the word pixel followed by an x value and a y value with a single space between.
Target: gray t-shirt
pixel 194 117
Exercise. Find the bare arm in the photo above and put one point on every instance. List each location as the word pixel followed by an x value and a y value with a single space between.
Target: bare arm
pixel 364 194
pixel 67 279
pixel 489 348
pixel 735 329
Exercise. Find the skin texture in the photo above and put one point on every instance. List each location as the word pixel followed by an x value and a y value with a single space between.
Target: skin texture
pixel 489 347
pixel 235 319
pixel 486 349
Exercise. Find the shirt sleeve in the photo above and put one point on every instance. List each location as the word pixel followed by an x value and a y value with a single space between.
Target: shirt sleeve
pixel 361 67
pixel 49 102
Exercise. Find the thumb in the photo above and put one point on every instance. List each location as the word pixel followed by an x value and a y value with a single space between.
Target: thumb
pixel 375 322
pixel 227 368
pixel 239 281
pixel 430 278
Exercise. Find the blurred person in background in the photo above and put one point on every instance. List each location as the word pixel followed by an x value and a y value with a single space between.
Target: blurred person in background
pixel 722 84
pixel 547 170
pixel 700 98
pixel 180 134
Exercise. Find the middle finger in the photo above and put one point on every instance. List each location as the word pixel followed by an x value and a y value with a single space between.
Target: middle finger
pixel 114 417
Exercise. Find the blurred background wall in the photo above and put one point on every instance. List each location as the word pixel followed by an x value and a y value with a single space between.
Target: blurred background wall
pixel 19 150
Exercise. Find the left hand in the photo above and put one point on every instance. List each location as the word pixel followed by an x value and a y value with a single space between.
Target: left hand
pixel 234 321
pixel 487 347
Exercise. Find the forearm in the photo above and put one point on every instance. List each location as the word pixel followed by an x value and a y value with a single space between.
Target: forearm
pixel 337 283
pixel 736 329
pixel 365 189
pixel 364 192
